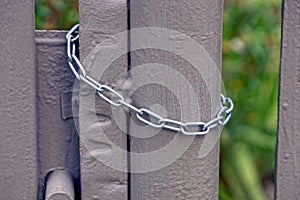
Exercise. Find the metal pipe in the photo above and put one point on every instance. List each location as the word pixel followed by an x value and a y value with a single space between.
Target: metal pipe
pixel 60 186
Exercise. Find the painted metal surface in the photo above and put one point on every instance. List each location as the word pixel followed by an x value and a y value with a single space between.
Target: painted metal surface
pixel 288 140
pixel 193 175
pixel 58 143
pixel 190 176
pixel 100 20
pixel 60 186
pixel 18 149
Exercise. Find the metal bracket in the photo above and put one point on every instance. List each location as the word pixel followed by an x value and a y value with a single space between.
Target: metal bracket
pixel 69 104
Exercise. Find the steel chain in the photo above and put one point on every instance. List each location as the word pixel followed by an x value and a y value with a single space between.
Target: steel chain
pixel 142 114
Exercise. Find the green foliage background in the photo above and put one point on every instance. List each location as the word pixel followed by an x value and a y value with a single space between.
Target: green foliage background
pixel 56 14
pixel 251 51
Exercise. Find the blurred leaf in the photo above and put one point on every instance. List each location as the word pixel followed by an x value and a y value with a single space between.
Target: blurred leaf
pixel 56 14
pixel 251 51
pixel 249 177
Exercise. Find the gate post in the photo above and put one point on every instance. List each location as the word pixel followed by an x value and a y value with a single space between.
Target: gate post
pixel 101 20
pixel 288 138
pixel 195 173
pixel 18 149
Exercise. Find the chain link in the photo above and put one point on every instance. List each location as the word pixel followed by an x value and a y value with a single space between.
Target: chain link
pixel 144 115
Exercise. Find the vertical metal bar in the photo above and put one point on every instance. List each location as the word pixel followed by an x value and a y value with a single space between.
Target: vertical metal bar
pixel 18 155
pixel 288 138
pixel 103 141
pixel 169 165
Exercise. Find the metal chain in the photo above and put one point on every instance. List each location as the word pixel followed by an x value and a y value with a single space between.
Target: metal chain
pixel 142 114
